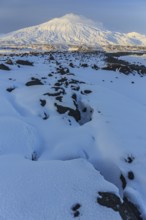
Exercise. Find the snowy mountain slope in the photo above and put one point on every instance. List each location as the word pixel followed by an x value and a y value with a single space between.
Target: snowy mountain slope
pixel 72 30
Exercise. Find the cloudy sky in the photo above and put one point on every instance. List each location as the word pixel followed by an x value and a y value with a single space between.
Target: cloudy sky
pixel 118 15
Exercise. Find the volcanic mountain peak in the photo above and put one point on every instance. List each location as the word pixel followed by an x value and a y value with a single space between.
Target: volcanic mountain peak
pixel 72 30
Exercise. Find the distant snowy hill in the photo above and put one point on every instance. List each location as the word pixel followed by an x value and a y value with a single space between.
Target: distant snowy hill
pixel 72 30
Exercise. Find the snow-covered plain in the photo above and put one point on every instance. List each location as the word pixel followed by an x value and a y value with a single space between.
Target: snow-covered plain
pixel 70 129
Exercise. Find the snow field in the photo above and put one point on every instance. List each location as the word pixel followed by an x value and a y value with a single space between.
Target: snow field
pixel 48 164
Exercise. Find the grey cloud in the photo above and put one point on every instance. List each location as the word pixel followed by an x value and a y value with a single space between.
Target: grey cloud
pixel 124 16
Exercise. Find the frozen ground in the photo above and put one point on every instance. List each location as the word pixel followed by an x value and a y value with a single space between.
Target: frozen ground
pixel 70 130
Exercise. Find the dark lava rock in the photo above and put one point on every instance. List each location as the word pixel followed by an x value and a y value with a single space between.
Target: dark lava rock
pixel 59 91
pixel 62 80
pixel 4 67
pixel 95 67
pixel 42 102
pixel 129 159
pixel 109 200
pixel 53 94
pixel 75 88
pixel 74 97
pixel 24 62
pixel 84 65
pixel 74 81
pixel 57 88
pixel 123 180
pixel 131 175
pixel 127 210
pixel 59 98
pixel 34 156
pixel 118 67
pixel 34 82
pixel 9 62
pixel 84 109
pixel 10 89
pixel 51 57
pixel 63 71
pixel 76 207
pixel 45 117
pixel 57 84
pixel 71 112
pixel 86 92
pixel 71 65
pixel 76 214
pixel 123 66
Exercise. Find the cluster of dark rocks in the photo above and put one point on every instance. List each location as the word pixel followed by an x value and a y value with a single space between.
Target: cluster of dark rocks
pixel 126 209
pixel 122 66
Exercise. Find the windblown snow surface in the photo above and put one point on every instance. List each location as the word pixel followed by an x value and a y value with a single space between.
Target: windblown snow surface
pixel 70 131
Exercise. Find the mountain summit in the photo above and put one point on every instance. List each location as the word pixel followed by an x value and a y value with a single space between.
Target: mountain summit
pixel 72 30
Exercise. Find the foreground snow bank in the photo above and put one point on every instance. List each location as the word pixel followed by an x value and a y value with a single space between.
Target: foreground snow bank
pixel 48 190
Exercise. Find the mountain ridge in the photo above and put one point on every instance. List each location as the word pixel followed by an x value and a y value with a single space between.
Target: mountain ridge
pixel 73 30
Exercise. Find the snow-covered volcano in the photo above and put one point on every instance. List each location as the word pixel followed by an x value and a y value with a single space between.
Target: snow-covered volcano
pixel 72 30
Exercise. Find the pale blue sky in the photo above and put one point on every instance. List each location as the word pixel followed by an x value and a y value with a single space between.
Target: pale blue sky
pixel 125 16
